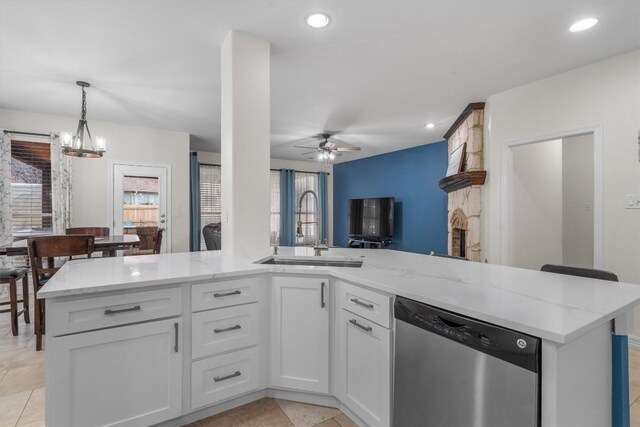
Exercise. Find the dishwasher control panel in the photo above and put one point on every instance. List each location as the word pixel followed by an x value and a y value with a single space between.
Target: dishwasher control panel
pixel 516 347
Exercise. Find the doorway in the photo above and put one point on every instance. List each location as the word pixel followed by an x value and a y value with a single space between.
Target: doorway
pixel 553 201
pixel 140 200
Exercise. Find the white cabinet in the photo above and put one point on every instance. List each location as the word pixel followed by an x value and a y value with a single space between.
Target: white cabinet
pixel 365 369
pixel 221 377
pixel 124 376
pixel 300 333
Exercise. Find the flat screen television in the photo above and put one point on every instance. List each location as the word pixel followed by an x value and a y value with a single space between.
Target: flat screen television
pixel 371 218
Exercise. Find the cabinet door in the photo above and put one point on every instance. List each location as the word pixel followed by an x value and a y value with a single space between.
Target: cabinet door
pixel 300 334
pixel 125 376
pixel 365 368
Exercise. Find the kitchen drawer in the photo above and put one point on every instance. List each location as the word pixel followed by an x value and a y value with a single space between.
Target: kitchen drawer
pixel 72 316
pixel 222 377
pixel 205 296
pixel 371 305
pixel 225 329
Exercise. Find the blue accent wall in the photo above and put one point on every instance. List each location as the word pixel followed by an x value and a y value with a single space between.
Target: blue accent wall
pixel 411 176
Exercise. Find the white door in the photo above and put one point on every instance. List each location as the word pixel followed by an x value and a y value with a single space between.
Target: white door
pixel 300 334
pixel 124 376
pixel 365 369
pixel 141 198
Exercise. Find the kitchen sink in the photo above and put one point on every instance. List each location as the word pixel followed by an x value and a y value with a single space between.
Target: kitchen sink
pixel 317 262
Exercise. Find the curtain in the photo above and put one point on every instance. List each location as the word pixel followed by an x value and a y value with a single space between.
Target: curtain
pixel 287 207
pixel 6 225
pixel 323 206
pixel 61 190
pixel 194 173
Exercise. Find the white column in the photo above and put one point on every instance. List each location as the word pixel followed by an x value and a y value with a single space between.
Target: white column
pixel 246 146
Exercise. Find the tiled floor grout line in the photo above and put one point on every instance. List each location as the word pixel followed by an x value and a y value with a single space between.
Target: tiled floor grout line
pixel 632 403
pixel 285 414
pixel 24 407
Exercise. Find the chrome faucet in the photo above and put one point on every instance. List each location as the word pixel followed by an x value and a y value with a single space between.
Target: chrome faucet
pixel 318 248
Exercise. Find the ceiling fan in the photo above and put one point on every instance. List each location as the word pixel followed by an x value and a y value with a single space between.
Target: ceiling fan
pixel 326 150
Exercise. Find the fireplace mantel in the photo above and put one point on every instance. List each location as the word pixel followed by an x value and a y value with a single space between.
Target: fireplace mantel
pixel 462 180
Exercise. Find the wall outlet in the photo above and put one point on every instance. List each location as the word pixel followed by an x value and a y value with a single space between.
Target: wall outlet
pixel 632 201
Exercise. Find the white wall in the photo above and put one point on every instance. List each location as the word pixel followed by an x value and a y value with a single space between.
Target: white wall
pixel 215 159
pixel 536 229
pixel 605 94
pixel 128 143
pixel 577 201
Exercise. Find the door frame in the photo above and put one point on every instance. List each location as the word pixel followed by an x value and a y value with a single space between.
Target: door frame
pixel 110 192
pixel 506 189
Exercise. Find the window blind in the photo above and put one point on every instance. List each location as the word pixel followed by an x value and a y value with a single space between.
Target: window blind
pixel 31 186
pixel 308 213
pixel 275 208
pixel 210 197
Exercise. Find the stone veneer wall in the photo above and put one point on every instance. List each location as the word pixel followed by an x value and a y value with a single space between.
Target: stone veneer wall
pixel 467 201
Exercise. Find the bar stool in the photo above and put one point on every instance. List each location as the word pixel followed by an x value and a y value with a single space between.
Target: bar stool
pixel 11 276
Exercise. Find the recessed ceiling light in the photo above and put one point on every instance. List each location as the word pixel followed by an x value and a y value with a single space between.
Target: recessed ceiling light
pixel 318 20
pixel 583 24
pixel 429 126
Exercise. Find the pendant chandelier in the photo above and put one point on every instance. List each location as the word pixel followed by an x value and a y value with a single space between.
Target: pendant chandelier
pixel 81 144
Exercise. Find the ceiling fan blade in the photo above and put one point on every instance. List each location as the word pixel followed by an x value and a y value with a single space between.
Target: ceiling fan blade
pixel 307 153
pixel 344 149
pixel 301 146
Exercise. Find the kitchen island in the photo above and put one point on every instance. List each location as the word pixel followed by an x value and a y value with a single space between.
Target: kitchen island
pixel 221 329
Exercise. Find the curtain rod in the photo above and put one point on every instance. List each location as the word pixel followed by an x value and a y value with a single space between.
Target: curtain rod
pixel 213 164
pixel 296 170
pixel 15 132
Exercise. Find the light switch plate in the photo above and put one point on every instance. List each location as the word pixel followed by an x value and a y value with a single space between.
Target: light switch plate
pixel 632 201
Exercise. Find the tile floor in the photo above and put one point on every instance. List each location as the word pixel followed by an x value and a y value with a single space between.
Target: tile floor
pixel 22 392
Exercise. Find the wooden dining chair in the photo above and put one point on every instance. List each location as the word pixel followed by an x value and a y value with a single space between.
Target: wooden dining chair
pixel 157 241
pixel 94 231
pixel 11 276
pixel 148 237
pixel 48 248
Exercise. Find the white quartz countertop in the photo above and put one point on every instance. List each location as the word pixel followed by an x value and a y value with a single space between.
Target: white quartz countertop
pixel 555 307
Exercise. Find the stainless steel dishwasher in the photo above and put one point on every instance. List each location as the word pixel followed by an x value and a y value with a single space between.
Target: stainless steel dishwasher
pixel 454 371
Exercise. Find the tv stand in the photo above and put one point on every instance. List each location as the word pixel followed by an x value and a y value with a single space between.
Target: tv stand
pixel 370 242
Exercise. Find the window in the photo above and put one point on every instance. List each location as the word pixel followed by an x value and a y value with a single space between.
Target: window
pixel 210 197
pixel 308 214
pixel 275 208
pixel 30 187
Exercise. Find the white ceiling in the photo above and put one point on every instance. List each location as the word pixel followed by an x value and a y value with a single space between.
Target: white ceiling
pixel 377 73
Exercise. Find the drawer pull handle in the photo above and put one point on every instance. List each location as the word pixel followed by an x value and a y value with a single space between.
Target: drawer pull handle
pixel 175 344
pixel 232 328
pixel 362 304
pixel 227 294
pixel 226 377
pixel 354 322
pixel 322 304
pixel 110 312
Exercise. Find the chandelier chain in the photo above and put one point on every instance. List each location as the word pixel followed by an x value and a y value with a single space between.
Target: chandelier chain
pixel 83 114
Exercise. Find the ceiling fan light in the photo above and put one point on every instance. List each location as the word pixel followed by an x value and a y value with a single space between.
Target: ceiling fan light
pixel 332 156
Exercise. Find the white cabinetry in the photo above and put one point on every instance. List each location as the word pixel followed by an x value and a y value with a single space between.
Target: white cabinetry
pixel 229 329
pixel 365 359
pixel 365 354
pixel 300 333
pixel 125 376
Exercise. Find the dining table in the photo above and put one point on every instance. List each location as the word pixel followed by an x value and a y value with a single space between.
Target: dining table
pixel 110 244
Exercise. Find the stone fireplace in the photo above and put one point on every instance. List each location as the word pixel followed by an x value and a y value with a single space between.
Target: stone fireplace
pixel 465 201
